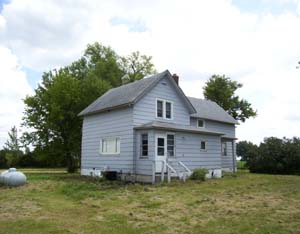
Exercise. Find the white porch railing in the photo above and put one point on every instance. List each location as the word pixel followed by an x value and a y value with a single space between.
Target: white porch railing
pixel 171 171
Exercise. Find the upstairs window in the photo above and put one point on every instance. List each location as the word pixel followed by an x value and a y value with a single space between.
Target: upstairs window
pixel 168 110
pixel 144 145
pixel 110 145
pixel 164 109
pixel 224 148
pixel 200 123
pixel 160 108
pixel 203 145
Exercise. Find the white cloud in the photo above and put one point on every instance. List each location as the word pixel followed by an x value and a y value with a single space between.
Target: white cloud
pixel 193 39
pixel 14 87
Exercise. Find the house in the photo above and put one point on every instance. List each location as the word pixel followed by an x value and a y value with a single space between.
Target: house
pixel 150 127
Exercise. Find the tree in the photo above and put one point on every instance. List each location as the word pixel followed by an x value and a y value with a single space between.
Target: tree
pixel 245 149
pixel 3 163
pixel 52 112
pixel 136 66
pixel 276 156
pixel 12 147
pixel 221 90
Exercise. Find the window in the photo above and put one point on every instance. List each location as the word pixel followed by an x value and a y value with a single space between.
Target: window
pixel 164 109
pixel 144 145
pixel 203 145
pixel 201 123
pixel 224 148
pixel 170 145
pixel 160 146
pixel 110 146
pixel 160 110
pixel 168 110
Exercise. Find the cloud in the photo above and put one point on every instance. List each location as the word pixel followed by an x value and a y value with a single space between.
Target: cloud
pixel 14 87
pixel 194 39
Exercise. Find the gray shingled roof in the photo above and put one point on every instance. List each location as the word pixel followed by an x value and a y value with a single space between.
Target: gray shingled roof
pixel 128 94
pixel 123 95
pixel 177 127
pixel 207 109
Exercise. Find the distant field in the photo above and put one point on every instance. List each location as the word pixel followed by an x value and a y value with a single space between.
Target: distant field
pixel 56 202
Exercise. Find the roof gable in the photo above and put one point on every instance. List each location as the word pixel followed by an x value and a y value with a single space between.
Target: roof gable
pixel 207 109
pixel 128 94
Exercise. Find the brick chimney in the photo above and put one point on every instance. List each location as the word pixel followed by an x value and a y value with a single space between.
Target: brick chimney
pixel 176 78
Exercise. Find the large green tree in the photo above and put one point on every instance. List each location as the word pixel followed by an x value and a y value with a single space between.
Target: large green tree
pixel 222 90
pixel 245 149
pixel 52 112
pixel 136 66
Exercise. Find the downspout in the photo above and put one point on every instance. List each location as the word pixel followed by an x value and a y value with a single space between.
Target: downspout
pixel 233 157
pixel 135 152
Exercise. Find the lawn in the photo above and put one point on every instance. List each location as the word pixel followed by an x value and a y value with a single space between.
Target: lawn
pixel 55 202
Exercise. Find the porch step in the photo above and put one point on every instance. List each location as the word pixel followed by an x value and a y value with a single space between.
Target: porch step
pixel 175 170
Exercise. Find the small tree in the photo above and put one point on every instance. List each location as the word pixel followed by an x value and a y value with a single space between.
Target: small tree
pixel 221 90
pixel 12 148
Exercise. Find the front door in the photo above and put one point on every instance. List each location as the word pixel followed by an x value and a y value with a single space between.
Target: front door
pixel 160 152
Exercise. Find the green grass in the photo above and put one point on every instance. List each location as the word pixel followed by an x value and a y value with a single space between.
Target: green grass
pixel 56 202
pixel 241 165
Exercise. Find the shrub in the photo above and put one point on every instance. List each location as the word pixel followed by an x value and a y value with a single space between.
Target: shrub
pixel 199 174
pixel 276 156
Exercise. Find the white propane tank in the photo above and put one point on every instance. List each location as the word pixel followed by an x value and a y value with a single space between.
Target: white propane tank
pixel 13 178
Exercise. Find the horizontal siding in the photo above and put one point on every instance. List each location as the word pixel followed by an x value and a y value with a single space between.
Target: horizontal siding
pixel 227 129
pixel 144 110
pixel 227 161
pixel 188 150
pixel 144 165
pixel 117 123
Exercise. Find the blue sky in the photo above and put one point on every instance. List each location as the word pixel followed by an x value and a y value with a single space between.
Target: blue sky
pixel 33 76
pixel 2 2
pixel 136 25
pixel 265 6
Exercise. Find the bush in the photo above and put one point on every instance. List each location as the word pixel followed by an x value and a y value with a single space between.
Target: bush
pixel 199 174
pixel 276 156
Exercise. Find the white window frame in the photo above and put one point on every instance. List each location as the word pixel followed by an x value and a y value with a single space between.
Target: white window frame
pixel 141 145
pixel 226 151
pixel 174 149
pixel 164 101
pixel 165 145
pixel 110 138
pixel 205 142
pixel 203 123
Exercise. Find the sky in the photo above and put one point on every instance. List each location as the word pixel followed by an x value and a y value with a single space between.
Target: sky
pixel 256 43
